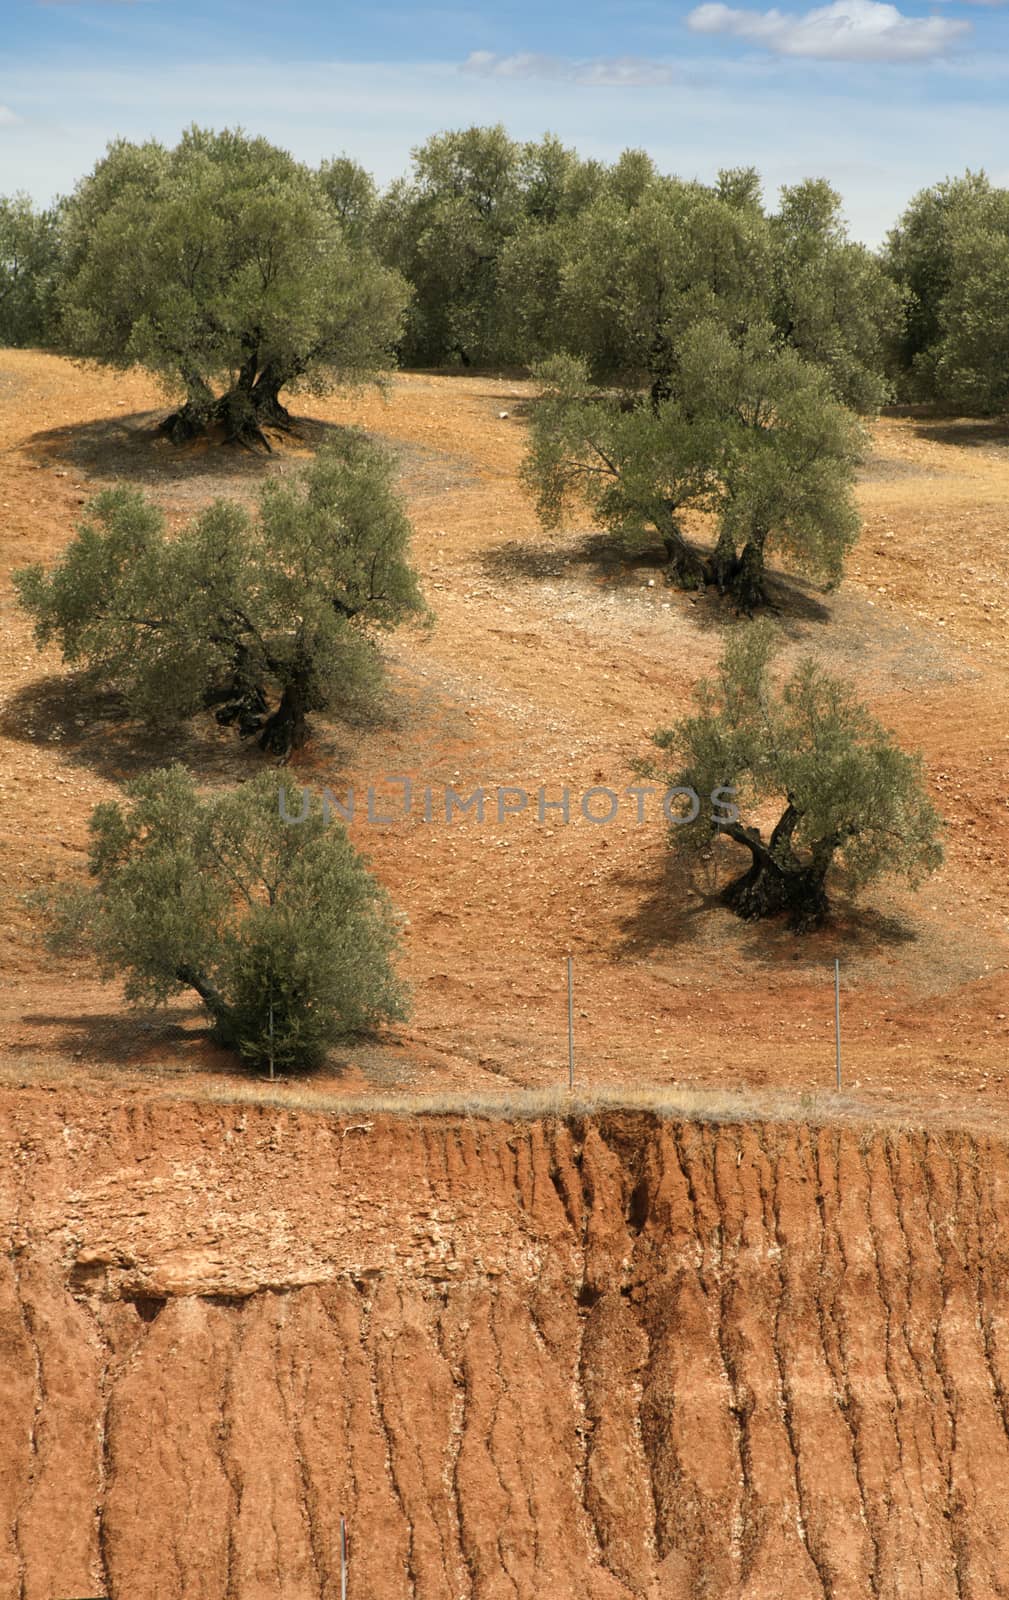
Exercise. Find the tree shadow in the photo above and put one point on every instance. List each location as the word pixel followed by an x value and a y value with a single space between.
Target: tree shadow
pixel 850 929
pixel 95 732
pixel 990 434
pixel 674 906
pixel 123 1039
pixel 132 447
pixel 943 424
pixel 178 1041
pixel 794 601
pixel 683 905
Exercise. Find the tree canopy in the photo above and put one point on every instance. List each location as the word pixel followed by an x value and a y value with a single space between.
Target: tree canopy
pixel 844 797
pixel 752 435
pixel 28 266
pixel 223 267
pixel 275 924
pixel 233 272
pixel 517 252
pixel 447 228
pixel 235 609
pixel 948 253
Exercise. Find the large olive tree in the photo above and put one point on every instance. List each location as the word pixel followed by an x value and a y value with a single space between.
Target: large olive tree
pixel 275 924
pixel 223 267
pixel 754 435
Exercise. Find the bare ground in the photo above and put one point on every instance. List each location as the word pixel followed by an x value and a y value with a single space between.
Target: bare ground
pixel 549 665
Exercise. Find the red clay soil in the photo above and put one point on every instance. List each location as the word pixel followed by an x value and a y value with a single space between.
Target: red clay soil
pixel 585 1361
pixel 582 1359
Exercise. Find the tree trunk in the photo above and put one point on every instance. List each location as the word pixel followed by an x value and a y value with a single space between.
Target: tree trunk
pixel 723 563
pixel 225 1031
pixel 769 890
pixel 252 402
pixel 238 705
pixel 746 582
pixel 233 411
pixel 265 396
pixel 684 567
pixel 777 882
pixel 286 730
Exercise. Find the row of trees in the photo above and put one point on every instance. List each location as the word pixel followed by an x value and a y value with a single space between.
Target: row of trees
pixel 261 618
pixel 225 263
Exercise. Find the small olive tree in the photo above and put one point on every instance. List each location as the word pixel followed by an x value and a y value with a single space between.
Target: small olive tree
pixel 275 924
pixel 842 795
pixel 235 610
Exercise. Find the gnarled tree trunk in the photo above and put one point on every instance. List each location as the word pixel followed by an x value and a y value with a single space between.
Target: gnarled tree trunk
pixel 225 1029
pixel 265 396
pixel 286 729
pixel 243 411
pixel 684 566
pixel 777 882
pixel 746 586
pixel 741 576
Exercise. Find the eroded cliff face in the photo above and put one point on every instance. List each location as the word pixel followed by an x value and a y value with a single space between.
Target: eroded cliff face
pixel 592 1361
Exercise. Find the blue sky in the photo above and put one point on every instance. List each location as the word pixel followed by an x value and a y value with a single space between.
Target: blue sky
pixel 880 98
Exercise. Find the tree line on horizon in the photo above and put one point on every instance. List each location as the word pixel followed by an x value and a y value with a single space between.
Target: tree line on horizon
pixel 496 252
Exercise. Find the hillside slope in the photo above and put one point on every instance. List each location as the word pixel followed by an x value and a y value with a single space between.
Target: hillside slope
pixel 595 1360
pixel 548 666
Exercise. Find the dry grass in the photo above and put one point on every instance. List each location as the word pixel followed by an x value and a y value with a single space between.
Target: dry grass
pixel 679 1103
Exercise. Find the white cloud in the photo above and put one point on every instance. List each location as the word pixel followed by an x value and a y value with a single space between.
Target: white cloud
pixel 846 30
pixel 739 112
pixel 8 117
pixel 621 72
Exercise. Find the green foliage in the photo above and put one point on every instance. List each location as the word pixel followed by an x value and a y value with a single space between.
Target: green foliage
pixel 29 248
pixel 781 447
pixel 637 277
pixel 444 230
pixel 235 606
pixel 807 750
pixel 222 263
pixel 276 925
pixel 477 230
pixel 637 280
pixel 352 193
pixel 756 438
pixel 948 253
pixel 969 362
pixel 833 300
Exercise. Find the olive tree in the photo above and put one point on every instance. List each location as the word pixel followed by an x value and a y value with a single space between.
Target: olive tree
pixel 644 266
pixel 920 257
pixel 238 611
pixel 841 795
pixel 833 300
pixel 29 249
pixel 222 266
pixel 478 229
pixel 754 437
pixel 276 924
